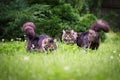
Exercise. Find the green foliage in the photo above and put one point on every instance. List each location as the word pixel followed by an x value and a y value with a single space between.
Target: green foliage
pixel 68 16
pixel 81 5
pixel 49 2
pixel 50 17
pixel 113 21
pixel 86 21
pixel 9 18
pixel 49 20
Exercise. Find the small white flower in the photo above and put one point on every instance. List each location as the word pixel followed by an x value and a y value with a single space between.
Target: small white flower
pixel 111 57
pixel 3 40
pixel 119 60
pixel 66 68
pixel 19 39
pixel 114 51
pixel 12 39
pixel 25 40
pixel 24 35
pixel 33 46
pixel 16 38
pixel 26 58
pixel 119 54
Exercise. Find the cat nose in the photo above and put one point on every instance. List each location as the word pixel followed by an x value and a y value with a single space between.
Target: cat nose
pixel 67 36
pixel 52 46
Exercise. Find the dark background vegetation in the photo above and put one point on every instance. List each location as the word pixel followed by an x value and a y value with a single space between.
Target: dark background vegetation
pixel 52 16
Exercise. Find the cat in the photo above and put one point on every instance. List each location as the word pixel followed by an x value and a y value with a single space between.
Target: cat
pixel 92 38
pixel 46 43
pixel 69 36
pixel 42 43
pixel 29 29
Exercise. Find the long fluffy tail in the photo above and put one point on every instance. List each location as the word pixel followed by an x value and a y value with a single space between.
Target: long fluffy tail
pixel 29 29
pixel 100 25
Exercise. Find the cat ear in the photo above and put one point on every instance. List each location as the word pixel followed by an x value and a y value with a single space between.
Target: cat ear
pixel 64 32
pixel 72 31
pixel 55 40
pixel 91 31
pixel 46 40
pixel 75 34
pixel 79 34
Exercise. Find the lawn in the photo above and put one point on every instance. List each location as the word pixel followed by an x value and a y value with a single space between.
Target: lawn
pixel 66 63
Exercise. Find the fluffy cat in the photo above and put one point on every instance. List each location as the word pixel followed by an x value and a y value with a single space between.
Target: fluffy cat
pixel 46 43
pixel 35 42
pixel 69 36
pixel 92 38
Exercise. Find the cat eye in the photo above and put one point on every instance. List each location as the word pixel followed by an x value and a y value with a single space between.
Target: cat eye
pixel 45 42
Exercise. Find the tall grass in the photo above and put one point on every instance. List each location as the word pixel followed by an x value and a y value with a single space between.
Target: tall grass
pixel 66 63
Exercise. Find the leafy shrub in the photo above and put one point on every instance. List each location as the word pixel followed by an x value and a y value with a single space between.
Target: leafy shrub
pixel 49 2
pixel 112 18
pixel 48 19
pixel 86 21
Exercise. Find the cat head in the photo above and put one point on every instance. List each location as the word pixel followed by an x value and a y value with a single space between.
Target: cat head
pixel 93 35
pixel 69 36
pixel 50 44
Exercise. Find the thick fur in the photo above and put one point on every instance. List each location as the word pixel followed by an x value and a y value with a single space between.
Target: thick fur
pixel 46 43
pixel 69 36
pixel 29 29
pixel 41 43
pixel 83 40
pixel 92 39
pixel 100 25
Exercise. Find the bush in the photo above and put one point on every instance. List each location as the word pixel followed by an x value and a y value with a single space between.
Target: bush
pixel 48 19
pixel 86 21
pixel 48 2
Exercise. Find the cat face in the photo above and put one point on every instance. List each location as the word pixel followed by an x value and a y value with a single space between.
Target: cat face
pixel 69 36
pixel 49 44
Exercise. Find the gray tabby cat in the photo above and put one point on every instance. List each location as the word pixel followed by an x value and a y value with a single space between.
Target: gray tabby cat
pixel 69 36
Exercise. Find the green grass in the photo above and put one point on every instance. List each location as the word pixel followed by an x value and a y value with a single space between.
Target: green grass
pixel 66 63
